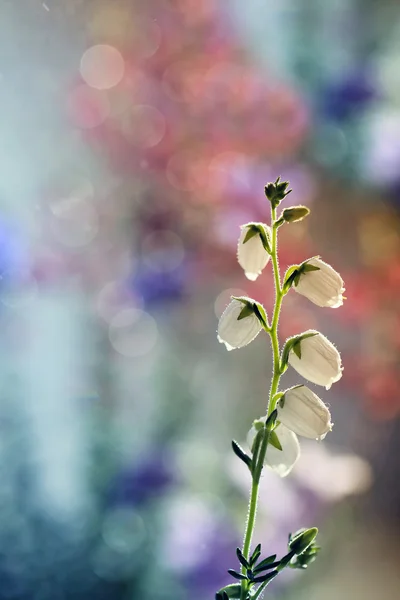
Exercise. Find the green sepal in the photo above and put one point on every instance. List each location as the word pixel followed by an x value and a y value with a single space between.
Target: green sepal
pixel 236 574
pixel 293 274
pixel 250 307
pixel 251 232
pixel 260 229
pixel 297 349
pixel 301 540
pixel 246 311
pixel 240 453
pixel 308 268
pixel 305 558
pixel 291 277
pixel 274 440
pixel 260 313
pixel 293 343
pixel 232 591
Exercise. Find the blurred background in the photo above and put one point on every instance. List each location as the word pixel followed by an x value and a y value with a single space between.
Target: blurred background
pixel 136 136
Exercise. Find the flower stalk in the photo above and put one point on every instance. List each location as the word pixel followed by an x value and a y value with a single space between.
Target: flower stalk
pixel 295 411
pixel 276 374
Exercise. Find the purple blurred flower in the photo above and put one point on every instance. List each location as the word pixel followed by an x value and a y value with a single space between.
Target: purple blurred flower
pixel 340 99
pixel 148 480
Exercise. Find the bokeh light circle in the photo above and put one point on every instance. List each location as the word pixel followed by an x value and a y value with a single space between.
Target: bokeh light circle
pixel 224 298
pixel 123 530
pixel 75 222
pixel 133 333
pixel 86 107
pixel 163 251
pixel 144 126
pixel 102 67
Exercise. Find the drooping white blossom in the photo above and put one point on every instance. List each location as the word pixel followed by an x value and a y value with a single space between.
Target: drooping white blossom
pixel 251 255
pixel 316 359
pixel 280 461
pixel 324 287
pixel 234 332
pixel 303 412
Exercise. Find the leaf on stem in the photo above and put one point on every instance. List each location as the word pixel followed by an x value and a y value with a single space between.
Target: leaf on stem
pixel 240 453
pixel 256 555
pixel 241 558
pixel 236 575
pixel 267 577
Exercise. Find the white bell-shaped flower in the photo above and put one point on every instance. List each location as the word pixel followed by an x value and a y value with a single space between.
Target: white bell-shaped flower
pixel 303 412
pixel 323 286
pixel 251 253
pixel 316 359
pixel 235 332
pixel 280 461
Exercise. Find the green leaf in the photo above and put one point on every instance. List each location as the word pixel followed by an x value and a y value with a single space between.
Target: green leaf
pixel 255 556
pixel 236 574
pixel 274 440
pixel 240 453
pixel 232 591
pixel 267 577
pixel 246 311
pixel 271 419
pixel 256 447
pixel 241 558
pixel 267 566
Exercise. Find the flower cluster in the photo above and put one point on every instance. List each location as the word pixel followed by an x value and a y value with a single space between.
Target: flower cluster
pixel 311 354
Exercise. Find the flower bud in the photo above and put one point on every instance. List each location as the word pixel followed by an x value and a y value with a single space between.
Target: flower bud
pixel 277 191
pixel 238 324
pixel 320 283
pixel 299 542
pixel 303 412
pixel 253 247
pixel 315 358
pixel 280 461
pixel 295 213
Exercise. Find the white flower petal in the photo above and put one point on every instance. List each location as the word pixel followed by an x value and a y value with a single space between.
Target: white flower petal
pixel 252 256
pixel 234 333
pixel 320 361
pixel 280 461
pixel 323 287
pixel 303 412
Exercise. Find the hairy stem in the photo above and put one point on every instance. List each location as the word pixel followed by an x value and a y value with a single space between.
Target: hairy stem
pixel 276 374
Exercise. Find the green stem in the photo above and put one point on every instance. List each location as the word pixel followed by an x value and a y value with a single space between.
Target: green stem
pixel 249 530
pixel 276 374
